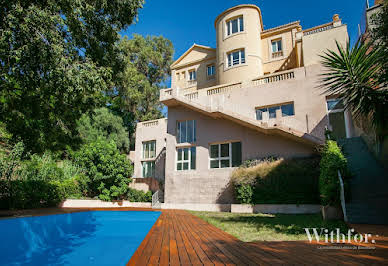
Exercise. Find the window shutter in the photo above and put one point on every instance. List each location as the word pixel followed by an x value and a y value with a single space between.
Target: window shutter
pixel 236 154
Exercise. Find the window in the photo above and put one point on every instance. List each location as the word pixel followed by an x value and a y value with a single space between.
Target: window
pixel 236 58
pixel 287 110
pixel 149 169
pixel 225 155
pixel 149 149
pixel 178 77
pixel 334 104
pixel 186 131
pixel 186 158
pixel 192 75
pixel 234 25
pixel 211 70
pixel 276 46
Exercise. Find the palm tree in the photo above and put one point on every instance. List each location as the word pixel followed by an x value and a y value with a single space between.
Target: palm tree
pixel 353 74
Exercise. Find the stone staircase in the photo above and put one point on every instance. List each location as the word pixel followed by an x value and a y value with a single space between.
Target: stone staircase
pixel 368 201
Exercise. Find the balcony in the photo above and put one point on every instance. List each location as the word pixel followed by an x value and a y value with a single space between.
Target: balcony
pixel 202 94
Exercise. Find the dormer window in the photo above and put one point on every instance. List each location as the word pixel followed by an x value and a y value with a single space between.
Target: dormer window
pixel 234 25
pixel 236 57
pixel 277 49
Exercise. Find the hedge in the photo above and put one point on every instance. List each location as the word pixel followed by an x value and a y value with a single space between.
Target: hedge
pixel 278 181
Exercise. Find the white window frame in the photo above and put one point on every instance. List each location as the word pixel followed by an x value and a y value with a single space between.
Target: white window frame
pixel 219 158
pixel 277 41
pixel 230 62
pixel 192 76
pixel 278 106
pixel 188 161
pixel 147 163
pixel 144 150
pixel 213 72
pixel 194 132
pixel 228 25
pixel 338 110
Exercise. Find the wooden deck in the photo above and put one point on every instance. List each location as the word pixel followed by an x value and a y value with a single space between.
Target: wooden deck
pixel 179 238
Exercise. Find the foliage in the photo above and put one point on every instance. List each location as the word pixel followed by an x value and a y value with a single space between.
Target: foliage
pixel 135 195
pixel 269 227
pixel 10 163
pixel 354 73
pixel 26 194
pixel 277 181
pixel 147 63
pixel 42 168
pixel 380 38
pixel 108 170
pixel 332 161
pixel 103 123
pixel 57 60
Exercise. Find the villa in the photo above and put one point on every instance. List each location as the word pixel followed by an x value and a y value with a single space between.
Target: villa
pixel 253 96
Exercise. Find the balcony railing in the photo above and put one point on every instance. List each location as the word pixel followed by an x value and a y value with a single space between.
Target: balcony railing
pixel 318 29
pixel 277 54
pixel 274 78
pixel 194 94
pixel 222 88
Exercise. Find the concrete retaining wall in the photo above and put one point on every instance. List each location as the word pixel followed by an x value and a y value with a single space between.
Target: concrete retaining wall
pixel 197 207
pixel 81 203
pixel 276 208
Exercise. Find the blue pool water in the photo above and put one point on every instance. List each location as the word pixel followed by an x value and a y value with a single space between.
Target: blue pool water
pixel 81 238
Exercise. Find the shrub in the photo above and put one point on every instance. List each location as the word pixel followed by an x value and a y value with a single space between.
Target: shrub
pixel 108 170
pixel 277 181
pixel 135 195
pixel 41 168
pixel 332 161
pixel 103 123
pixel 26 194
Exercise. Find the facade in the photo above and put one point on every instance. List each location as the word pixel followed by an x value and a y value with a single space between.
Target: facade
pixel 253 96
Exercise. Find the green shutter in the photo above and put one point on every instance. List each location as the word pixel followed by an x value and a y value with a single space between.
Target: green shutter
pixel 236 154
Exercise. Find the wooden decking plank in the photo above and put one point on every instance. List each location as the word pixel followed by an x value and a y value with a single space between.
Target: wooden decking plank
pixel 194 259
pixel 183 256
pixel 138 253
pixel 179 238
pixel 239 247
pixel 206 245
pixel 165 251
pixel 174 255
pixel 198 250
pixel 157 248
pixel 146 255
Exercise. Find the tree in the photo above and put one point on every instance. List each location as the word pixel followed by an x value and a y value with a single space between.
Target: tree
pixel 354 74
pixel 379 34
pixel 103 123
pixel 147 65
pixel 58 60
pixel 107 170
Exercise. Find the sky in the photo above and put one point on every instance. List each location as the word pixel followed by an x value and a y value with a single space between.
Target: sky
pixel 188 22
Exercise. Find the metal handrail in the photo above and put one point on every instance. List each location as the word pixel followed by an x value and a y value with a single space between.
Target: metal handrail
pixel 342 196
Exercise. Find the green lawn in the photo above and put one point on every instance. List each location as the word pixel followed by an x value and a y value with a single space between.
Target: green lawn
pixel 268 227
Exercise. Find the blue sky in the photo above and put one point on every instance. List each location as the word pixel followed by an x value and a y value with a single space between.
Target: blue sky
pixel 186 22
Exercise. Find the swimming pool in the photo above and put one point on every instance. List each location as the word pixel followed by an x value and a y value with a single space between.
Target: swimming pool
pixel 79 238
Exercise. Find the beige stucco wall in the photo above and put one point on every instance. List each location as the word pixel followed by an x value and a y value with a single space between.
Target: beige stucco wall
pixel 197 59
pixel 288 60
pixel 205 185
pixel 315 45
pixel 147 131
pixel 249 39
